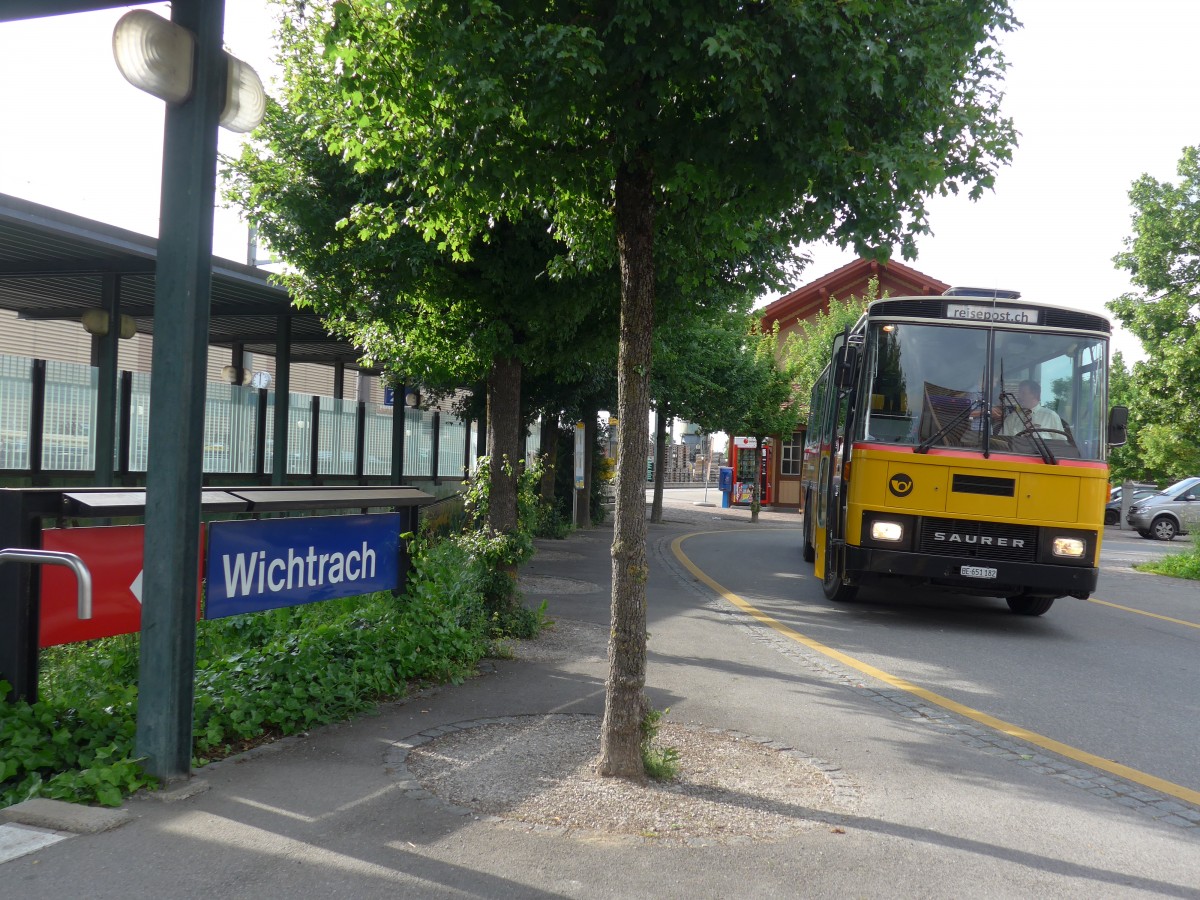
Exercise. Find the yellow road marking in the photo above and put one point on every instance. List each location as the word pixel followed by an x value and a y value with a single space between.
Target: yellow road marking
pixel 1142 612
pixel 1031 737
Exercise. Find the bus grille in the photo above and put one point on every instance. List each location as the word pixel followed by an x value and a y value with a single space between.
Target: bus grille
pixel 981 540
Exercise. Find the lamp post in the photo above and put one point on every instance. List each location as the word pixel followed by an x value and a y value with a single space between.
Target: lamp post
pixel 181 62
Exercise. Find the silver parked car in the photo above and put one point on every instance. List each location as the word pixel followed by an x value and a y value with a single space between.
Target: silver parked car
pixel 1174 510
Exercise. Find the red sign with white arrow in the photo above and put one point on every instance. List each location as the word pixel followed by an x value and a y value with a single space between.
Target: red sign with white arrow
pixel 113 555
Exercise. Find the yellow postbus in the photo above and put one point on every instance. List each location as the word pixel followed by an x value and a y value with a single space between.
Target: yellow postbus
pixel 959 441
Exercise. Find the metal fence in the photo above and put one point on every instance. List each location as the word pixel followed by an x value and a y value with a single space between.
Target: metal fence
pixel 233 415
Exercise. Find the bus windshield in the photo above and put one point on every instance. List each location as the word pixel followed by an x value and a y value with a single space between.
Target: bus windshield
pixel 984 389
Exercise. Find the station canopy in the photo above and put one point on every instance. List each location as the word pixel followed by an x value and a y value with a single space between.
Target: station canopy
pixel 53 265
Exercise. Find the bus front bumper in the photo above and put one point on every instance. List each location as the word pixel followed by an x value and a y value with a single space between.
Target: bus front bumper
pixel 988 577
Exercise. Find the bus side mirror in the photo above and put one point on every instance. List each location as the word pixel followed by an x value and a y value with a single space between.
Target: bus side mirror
pixel 844 365
pixel 1118 420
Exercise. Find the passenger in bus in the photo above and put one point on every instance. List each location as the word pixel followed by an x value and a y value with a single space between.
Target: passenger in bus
pixel 1029 396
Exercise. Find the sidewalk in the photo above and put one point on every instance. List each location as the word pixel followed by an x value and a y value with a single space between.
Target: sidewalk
pixel 922 808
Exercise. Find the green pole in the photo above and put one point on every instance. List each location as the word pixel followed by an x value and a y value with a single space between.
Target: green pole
pixel 183 277
pixel 106 383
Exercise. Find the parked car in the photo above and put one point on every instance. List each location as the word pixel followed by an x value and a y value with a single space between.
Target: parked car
pixel 1171 511
pixel 1112 509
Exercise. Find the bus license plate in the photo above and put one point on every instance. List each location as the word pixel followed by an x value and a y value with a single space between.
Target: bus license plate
pixel 977 572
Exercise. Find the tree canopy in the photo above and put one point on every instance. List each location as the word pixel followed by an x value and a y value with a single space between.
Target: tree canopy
pixel 1163 260
pixel 418 312
pixel 687 140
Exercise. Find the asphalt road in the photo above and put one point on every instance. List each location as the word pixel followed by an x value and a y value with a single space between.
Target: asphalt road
pixel 1115 676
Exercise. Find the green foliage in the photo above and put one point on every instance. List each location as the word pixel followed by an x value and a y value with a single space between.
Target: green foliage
pixel 493 109
pixel 1125 462
pixel 769 405
pixel 424 311
pixel 1177 565
pixel 288 670
pixel 498 555
pixel 501 550
pixel 660 763
pixel 702 366
pixel 1162 258
pixel 548 521
pixel 76 748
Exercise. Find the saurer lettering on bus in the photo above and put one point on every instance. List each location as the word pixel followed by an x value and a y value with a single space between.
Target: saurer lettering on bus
pixel 252 573
pixel 983 540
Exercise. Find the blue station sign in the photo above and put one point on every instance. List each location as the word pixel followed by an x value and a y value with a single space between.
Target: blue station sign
pixel 272 563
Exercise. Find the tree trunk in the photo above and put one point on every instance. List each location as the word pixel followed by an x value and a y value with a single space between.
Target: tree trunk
pixel 504 443
pixel 660 463
pixel 549 458
pixel 620 738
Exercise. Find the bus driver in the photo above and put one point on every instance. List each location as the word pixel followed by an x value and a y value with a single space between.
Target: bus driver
pixel 1029 396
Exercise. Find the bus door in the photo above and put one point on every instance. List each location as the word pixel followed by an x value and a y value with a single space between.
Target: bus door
pixel 833 448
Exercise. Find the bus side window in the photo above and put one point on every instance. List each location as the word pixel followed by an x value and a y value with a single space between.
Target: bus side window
pixel 816 412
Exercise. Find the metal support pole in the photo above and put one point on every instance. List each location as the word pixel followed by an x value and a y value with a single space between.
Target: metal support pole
pixel 124 425
pixel 360 441
pixel 237 411
pixel 260 435
pixel 339 380
pixel 467 461
pixel 434 460
pixel 183 280
pixel 283 387
pixel 18 606
pixel 314 439
pixel 106 382
pixel 399 418
pixel 37 419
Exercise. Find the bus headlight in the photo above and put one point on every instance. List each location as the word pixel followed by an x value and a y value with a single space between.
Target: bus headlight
pixel 887 531
pixel 1070 547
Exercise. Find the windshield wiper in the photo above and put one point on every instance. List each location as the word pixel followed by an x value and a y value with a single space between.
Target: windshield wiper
pixel 958 419
pixel 1027 420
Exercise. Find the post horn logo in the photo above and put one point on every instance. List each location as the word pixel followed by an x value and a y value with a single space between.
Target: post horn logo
pixel 900 484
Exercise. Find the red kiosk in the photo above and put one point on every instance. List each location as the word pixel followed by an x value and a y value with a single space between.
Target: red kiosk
pixel 750 464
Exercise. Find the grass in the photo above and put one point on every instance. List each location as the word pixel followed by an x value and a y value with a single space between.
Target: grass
pixel 1177 565
pixel 660 763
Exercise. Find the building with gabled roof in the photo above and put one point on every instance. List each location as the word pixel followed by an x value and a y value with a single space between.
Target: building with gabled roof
pixel 895 280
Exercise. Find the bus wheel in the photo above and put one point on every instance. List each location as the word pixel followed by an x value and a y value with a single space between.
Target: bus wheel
pixel 809 552
pixel 832 584
pixel 1025 605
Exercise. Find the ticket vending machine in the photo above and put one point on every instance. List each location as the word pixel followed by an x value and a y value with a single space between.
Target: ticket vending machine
pixel 751 464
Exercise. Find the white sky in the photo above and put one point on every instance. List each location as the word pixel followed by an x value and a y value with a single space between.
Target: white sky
pixel 1101 91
